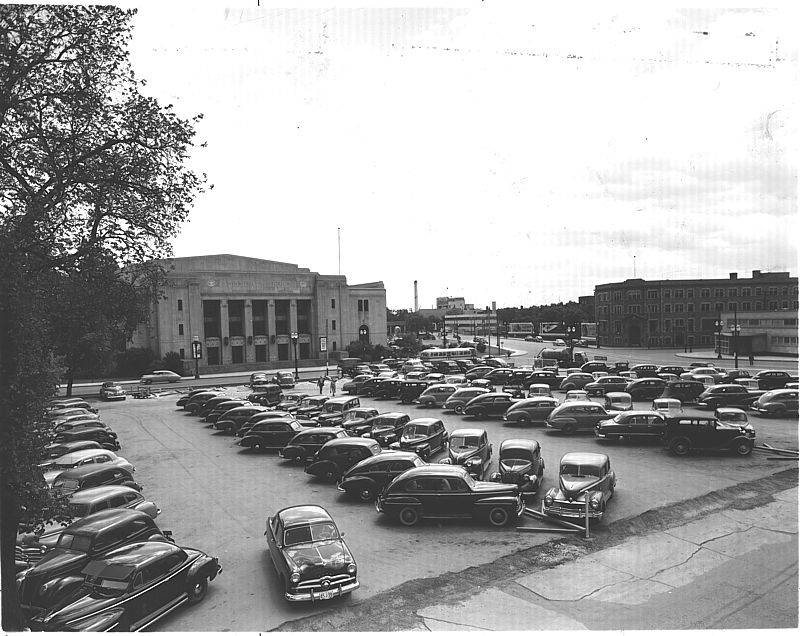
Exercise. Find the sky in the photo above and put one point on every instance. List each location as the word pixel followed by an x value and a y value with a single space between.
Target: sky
pixel 520 155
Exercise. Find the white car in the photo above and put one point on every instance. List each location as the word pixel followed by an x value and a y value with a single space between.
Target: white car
pixel 81 458
pixel 558 342
pixel 159 376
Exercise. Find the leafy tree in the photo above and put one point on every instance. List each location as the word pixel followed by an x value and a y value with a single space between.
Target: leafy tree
pixel 88 165
pixel 173 362
pixel 135 361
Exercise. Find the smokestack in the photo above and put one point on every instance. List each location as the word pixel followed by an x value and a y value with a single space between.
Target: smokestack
pixel 416 303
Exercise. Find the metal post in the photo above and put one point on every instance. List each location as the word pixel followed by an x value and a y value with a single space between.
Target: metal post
pixel 735 339
pixel 294 342
pixel 326 346
pixel 196 359
pixel 586 500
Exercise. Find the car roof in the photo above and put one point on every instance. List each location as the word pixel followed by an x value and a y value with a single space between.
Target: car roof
pixel 105 519
pixel 341 400
pixel 120 563
pixel 729 409
pixel 528 444
pixel 423 420
pixel 351 441
pixel 88 495
pixel 388 455
pixel 580 403
pixel 642 412
pixel 88 469
pixel 320 429
pixel 617 394
pixel 597 459
pixel 303 514
pixel 81 453
pixel 468 431
pixel 447 470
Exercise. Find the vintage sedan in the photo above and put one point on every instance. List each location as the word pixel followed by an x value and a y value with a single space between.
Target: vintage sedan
pixel 470 448
pixel 384 428
pixel 57 573
pixel 339 454
pixel 78 424
pixel 426 436
pixel 459 399
pixel 302 447
pixel 550 378
pixel 371 475
pixel 571 417
pixel 646 388
pixel 576 381
pixel 112 391
pixel 582 478
pixel 369 387
pixel 769 380
pixel 543 390
pixel 667 406
pixel 493 403
pixel 606 384
pixel 629 424
pixel 233 419
pixel 617 401
pixel 284 379
pixel 725 395
pixel 576 395
pixel 388 388
pixel 353 419
pixel 438 491
pixel 532 410
pixel 436 394
pixel 310 407
pixel 521 463
pixel 735 417
pixel 262 416
pixel 159 376
pixel 194 403
pixel 54 451
pixel 687 391
pixel 354 386
pixel 779 403
pixel 290 402
pixel 103 436
pixel 687 433
pixel 310 555
pixel 223 407
pixel 644 370
pixel 74 479
pixel 84 458
pixel 130 588
pixel 271 434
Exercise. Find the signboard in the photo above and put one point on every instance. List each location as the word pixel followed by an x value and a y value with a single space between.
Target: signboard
pixel 588 330
pixel 549 327
pixel 323 343
pixel 197 350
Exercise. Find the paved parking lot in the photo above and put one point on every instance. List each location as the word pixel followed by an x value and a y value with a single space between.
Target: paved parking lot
pixel 216 497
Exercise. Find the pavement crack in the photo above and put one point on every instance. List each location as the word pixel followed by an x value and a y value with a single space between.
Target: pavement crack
pixel 676 565
pixel 443 620
pixel 603 587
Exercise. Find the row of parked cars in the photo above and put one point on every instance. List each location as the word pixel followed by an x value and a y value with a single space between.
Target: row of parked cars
pixel 112 567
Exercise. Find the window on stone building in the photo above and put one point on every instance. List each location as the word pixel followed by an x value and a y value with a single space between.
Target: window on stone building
pixel 180 329
pixel 180 305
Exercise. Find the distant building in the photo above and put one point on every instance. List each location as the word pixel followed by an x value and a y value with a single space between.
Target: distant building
pixel 471 324
pixel 759 333
pixel 243 310
pixel 667 313
pixel 446 303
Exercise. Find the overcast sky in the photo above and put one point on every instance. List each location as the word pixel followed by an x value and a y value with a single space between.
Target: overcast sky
pixel 514 156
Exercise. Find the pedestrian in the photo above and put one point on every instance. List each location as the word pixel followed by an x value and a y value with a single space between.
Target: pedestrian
pixel 321 384
pixel 333 387
pixel 751 359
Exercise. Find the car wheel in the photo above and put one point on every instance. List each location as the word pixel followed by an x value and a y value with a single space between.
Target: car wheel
pixel 611 491
pixel 405 401
pixel 680 446
pixel 408 516
pixel 744 447
pixel 366 493
pixel 713 405
pixel 499 517
pixel 198 589
pixel 568 429
pixel 479 414
pixel 458 409
pixel 330 474
pixel 779 412
pixel 523 419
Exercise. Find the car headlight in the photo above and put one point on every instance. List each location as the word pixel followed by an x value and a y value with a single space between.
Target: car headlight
pixel 474 461
pixel 295 578
pixel 45 588
pixel 351 568
pixel 548 499
pixel 594 501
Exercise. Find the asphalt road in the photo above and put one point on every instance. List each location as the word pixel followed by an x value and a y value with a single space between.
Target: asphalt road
pixel 216 497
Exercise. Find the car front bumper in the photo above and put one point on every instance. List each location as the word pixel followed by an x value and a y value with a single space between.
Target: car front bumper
pixel 322 595
pixel 572 510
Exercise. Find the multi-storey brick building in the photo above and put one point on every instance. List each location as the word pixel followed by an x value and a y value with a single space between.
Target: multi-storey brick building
pixel 677 313
pixel 245 310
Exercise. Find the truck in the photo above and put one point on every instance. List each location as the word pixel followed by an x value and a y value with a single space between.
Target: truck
pixel 562 356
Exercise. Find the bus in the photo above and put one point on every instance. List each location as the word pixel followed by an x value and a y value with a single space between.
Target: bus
pixel 456 353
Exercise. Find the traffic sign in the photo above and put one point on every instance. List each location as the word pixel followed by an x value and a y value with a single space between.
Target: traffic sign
pixel 197 349
pixel 323 343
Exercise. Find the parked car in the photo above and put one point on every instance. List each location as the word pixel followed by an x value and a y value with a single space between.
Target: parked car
pixel 439 491
pixel 369 387
pixel 131 588
pixel 223 407
pixel 91 500
pixel 266 395
pixel 686 433
pixel 617 402
pixel 751 385
pixel 594 365
pixel 769 379
pixel 687 391
pixel 212 403
pixel 370 476
pixel 539 390
pixel 86 457
pixel 159 376
pixel 571 417
pixel 559 342
pixel 90 475
pixel 576 381
pixel 284 379
pixel 489 404
pixel 667 406
pixel 520 462
pixel 388 388
pixel 646 388
pixel 302 447
pixel 470 448
pixel 59 416
pixel 310 407
pixel 233 419
pixel 354 386
pixel 385 428
pixel 607 383
pixel 78 424
pixel 735 417
pixel 725 395
pixel 339 454
pixel 478 372
pixel 436 394
pixel 290 402
pixel 498 377
pixel 333 410
pixel 103 436
pixel 779 403
pixel 671 368
pixel 630 424
pixel 309 554
pixel 581 477
pixel 271 434
pixel 731 376
pixel 533 410
pixel 262 416
pixel 54 451
pixel 353 420
pixel 576 395
pixel 112 391
pixel 194 403
pixel 426 436
pixel 644 370
pixel 57 574
pixel 410 390
pixel 699 373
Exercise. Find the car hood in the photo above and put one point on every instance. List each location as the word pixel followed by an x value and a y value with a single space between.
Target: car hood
pixel 515 465
pixel 571 486
pixel 74 606
pixel 331 556
pixel 58 560
pixel 460 455
pixel 492 487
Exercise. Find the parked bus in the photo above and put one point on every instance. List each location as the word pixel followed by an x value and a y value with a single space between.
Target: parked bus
pixel 463 353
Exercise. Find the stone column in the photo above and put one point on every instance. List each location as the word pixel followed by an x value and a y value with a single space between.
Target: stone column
pixel 194 319
pixel 272 348
pixel 225 353
pixel 249 348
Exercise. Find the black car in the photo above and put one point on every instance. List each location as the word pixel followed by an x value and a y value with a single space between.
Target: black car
pixel 437 491
pixel 521 463
pixel 310 407
pixel 769 380
pixel 271 434
pixel 499 377
pixel 494 403
pixel 212 403
pixel 302 447
pixel 266 395
pixel 371 475
pixel 333 410
pixel 291 402
pixel 687 391
pixel 645 370
pixel 470 448
pixel 106 438
pixel 425 436
pixel 673 369
pixel 311 558
pixel 223 407
pixel 648 388
pixel 388 388
pixel 339 454
pixel 410 390
pixel 606 384
pixel 231 421
pixel 91 475
pixel 687 433
pixel 182 400
pixel 261 416
pixel 631 424
pixel 549 378
pixel 384 428
pixel 57 573
pixel 725 395
pixel 354 386
pixel 730 377
pixel 478 372
pixel 370 387
pixel 54 451
pixel 132 587
pixel 198 400
pixel 593 366
pixel 353 420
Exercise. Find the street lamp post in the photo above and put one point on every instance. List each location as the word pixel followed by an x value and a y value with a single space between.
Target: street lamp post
pixel 735 330
pixel 294 344
pixel 718 327
pixel 571 331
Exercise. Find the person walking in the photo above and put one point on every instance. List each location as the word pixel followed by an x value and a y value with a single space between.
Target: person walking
pixel 333 387
pixel 751 359
pixel 321 384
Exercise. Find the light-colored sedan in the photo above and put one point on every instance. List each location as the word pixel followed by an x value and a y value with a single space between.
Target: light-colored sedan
pixel 82 458
pixel 160 376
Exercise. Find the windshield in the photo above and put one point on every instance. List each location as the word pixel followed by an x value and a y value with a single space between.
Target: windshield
pixel 79 509
pixel 309 533
pixel 106 587
pixel 76 542
pixel 580 470
pixel 515 453
pixel 67 484
pixel 353 415
pixel 417 430
pixel 465 441
pixel 332 408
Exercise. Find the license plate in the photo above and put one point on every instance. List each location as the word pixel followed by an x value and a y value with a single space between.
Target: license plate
pixel 326 594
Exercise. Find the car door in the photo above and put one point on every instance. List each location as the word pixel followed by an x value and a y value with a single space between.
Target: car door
pixel 592 414
pixel 499 405
pixel 162 585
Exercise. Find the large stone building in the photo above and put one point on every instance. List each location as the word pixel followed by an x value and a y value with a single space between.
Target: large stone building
pixel 245 310
pixel 686 313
